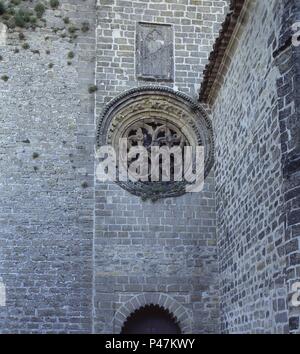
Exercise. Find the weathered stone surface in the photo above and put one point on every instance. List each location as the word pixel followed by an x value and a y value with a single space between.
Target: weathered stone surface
pixel 154 52
pixel 78 256
pixel 167 248
pixel 257 173
pixel 48 199
pixel 46 216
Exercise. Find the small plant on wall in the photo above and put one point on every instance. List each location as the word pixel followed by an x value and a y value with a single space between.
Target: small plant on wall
pixel 2 8
pixel 92 88
pixel 85 27
pixel 54 4
pixel 26 15
pixel 14 13
pixel 39 9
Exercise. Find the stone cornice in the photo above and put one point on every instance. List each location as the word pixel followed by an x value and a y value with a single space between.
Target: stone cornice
pixel 220 57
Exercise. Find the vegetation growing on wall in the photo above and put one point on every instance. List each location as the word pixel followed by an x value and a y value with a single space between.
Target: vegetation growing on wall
pixel 22 16
pixel 25 14
pixel 28 15
pixel 2 8
pixel 14 13
pixel 54 4
pixel 40 10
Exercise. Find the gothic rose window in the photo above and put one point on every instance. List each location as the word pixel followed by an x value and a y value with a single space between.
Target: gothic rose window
pixel 152 118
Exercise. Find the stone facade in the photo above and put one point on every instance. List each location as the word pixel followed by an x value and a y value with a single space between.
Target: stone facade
pixel 287 60
pixel 47 153
pixel 73 256
pixel 254 121
pixel 162 253
pixel 80 256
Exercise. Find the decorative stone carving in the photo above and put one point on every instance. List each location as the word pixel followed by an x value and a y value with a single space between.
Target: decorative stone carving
pixel 154 132
pixel 154 52
pixel 158 116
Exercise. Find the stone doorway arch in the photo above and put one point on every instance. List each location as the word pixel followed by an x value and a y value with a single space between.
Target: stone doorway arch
pixel 164 301
pixel 151 319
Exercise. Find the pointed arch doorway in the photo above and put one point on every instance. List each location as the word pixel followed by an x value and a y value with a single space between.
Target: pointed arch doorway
pixel 151 319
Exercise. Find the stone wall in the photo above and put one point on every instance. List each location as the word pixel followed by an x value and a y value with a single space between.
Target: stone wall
pixel 46 158
pixel 195 25
pixel 287 58
pixel 75 258
pixel 164 252
pixel 251 228
pixel 61 239
pixel 80 257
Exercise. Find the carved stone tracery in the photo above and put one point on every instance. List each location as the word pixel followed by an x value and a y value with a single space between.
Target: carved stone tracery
pixel 154 132
pixel 156 116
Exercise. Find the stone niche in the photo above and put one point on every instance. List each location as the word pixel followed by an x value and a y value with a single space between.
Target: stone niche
pixel 155 55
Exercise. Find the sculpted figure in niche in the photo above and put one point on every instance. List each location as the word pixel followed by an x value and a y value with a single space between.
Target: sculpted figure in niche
pixel 154 47
pixel 154 52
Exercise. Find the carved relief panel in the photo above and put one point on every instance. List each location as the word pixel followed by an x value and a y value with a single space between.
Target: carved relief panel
pixel 154 57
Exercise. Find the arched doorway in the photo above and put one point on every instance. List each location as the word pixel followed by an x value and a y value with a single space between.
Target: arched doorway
pixel 151 319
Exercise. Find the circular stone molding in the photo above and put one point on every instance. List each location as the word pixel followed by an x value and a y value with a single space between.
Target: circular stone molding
pixel 150 104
